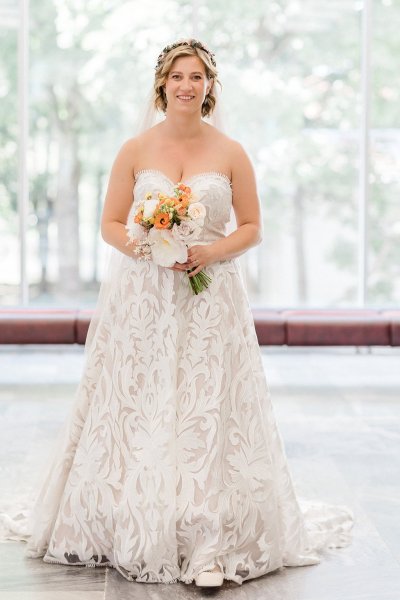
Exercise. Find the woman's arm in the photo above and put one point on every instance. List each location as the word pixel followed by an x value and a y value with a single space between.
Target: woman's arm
pixel 119 199
pixel 118 202
pixel 247 210
pixel 246 206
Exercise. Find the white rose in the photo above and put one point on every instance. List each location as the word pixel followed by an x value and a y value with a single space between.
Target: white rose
pixel 196 211
pixel 149 208
pixel 187 231
pixel 166 250
pixel 184 229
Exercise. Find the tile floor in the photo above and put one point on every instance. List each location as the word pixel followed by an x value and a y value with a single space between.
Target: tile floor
pixel 339 415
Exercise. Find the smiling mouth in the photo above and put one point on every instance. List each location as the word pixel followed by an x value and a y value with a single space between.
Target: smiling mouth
pixel 185 98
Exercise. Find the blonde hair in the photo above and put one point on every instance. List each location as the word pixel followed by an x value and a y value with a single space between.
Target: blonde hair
pixel 164 67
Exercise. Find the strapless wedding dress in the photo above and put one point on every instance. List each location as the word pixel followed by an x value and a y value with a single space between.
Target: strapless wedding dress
pixel 171 460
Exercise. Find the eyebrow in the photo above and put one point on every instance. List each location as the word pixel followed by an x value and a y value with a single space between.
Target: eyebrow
pixel 192 73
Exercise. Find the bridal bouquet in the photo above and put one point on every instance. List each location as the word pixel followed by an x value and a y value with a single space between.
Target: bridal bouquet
pixel 162 226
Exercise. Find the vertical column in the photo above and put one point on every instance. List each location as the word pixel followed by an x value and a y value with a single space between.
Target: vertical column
pixel 23 126
pixel 364 153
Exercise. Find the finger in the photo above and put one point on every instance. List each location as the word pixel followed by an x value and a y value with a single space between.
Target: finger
pixel 197 270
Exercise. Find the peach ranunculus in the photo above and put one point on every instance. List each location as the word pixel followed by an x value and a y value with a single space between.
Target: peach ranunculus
pixel 166 201
pixel 182 202
pixel 171 202
pixel 181 210
pixel 162 220
pixel 139 216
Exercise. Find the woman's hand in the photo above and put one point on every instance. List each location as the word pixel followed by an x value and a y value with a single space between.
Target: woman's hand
pixel 180 266
pixel 199 256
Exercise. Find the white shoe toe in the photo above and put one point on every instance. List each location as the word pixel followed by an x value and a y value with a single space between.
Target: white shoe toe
pixel 209 579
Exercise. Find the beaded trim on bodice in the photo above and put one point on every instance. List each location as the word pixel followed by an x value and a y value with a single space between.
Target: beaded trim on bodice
pixel 202 174
pixel 212 188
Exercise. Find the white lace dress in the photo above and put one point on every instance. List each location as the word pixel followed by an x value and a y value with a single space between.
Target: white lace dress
pixel 171 459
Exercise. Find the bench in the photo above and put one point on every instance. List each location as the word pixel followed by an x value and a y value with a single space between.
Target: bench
pixel 274 327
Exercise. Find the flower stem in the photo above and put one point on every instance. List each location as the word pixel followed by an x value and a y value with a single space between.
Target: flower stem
pixel 199 282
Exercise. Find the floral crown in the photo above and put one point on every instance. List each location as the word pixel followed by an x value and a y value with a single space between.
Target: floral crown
pixel 193 43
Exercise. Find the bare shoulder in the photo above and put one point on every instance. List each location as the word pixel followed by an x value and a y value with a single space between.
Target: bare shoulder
pixel 140 143
pixel 131 149
pixel 131 145
pixel 127 152
pixel 240 160
pixel 225 146
pixel 217 136
pixel 234 151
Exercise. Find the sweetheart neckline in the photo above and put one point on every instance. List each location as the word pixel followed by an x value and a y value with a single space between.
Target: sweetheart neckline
pixel 218 173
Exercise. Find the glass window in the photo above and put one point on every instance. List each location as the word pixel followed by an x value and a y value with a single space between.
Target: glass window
pixel 384 205
pixel 296 101
pixel 9 225
pixel 291 87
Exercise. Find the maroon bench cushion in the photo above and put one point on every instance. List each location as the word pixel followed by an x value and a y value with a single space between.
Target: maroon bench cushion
pixel 394 320
pixel 37 326
pixel 82 325
pixel 270 327
pixel 347 327
pixel 274 327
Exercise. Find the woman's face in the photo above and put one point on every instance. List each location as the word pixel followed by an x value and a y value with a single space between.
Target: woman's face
pixel 187 84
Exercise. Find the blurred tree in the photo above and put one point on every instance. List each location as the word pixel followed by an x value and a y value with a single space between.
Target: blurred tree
pixel 290 74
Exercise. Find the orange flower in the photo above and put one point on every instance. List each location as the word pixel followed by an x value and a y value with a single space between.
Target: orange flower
pixel 167 201
pixel 161 221
pixel 183 202
pixel 181 210
pixel 138 217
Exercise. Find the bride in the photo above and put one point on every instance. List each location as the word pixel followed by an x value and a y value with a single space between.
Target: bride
pixel 181 146
pixel 171 466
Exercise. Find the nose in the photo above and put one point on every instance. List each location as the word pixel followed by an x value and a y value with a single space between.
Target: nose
pixel 185 84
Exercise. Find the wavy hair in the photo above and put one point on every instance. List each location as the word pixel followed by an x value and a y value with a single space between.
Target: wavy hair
pixel 165 65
